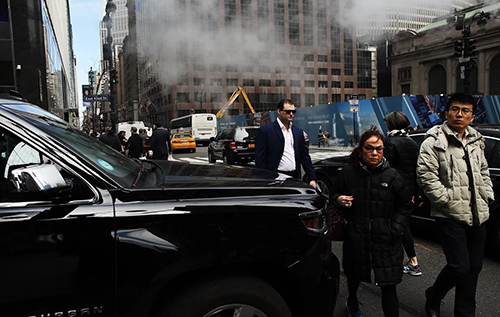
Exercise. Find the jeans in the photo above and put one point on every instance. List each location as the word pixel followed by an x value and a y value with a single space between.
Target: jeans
pixel 463 246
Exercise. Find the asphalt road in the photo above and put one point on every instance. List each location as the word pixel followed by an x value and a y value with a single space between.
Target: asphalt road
pixel 411 290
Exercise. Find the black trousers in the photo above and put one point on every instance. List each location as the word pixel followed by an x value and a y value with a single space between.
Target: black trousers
pixel 463 246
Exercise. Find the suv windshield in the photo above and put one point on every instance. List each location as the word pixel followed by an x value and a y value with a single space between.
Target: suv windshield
pixel 246 134
pixel 117 166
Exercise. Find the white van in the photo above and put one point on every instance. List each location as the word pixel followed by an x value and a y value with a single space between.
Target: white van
pixel 126 126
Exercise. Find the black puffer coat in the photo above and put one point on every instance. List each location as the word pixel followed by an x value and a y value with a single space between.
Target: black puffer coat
pixel 402 154
pixel 381 206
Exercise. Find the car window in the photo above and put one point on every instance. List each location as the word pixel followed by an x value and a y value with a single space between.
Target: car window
pixel 492 152
pixel 15 154
pixel 246 134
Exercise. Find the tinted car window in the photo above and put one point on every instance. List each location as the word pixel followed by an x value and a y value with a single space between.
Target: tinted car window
pixel 246 134
pixel 491 152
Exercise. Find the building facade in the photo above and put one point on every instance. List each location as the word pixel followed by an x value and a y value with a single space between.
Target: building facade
pixel 37 54
pixel 424 63
pixel 194 54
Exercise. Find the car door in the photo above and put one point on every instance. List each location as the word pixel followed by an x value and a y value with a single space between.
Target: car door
pixel 56 248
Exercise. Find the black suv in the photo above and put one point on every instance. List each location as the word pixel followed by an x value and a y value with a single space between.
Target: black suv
pixel 327 170
pixel 85 231
pixel 233 145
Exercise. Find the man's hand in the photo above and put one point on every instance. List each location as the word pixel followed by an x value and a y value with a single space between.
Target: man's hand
pixel 313 183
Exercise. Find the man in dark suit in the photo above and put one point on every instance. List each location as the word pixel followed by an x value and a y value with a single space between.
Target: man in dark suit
pixel 160 143
pixel 280 146
pixel 134 144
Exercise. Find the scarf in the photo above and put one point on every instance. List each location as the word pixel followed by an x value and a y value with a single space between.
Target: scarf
pixel 401 132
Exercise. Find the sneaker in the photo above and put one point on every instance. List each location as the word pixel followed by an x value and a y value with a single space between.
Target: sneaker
pixel 412 269
pixel 353 309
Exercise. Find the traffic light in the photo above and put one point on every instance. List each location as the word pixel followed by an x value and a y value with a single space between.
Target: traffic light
pixel 459 48
pixel 470 48
pixel 114 76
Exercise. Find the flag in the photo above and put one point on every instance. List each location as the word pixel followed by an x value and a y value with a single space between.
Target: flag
pixel 140 107
pixel 147 105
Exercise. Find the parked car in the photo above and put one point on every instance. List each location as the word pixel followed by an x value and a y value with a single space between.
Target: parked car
pixel 86 231
pixel 327 170
pixel 183 141
pixel 233 145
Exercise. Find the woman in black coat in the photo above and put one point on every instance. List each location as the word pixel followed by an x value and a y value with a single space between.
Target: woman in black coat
pixel 402 153
pixel 376 206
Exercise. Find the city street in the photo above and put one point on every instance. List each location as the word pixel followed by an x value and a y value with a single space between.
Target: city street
pixel 411 290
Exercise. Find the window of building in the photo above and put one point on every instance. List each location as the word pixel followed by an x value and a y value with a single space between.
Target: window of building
pixel 348 53
pixel 215 97
pixel 199 81
pixel 246 15
pixel 248 69
pixel 405 89
pixel 279 21
pixel 293 22
pixel 404 73
pixel 263 20
pixel 294 83
pixel 183 96
pixel 336 98
pixel 364 68
pixel 215 68
pixel 323 84
pixel 322 58
pixel 309 83
pixel 322 71
pixel 309 99
pixel 348 84
pixel 265 82
pixel 437 80
pixel 182 81
pixel 495 76
pixel 215 82
pixel 296 99
pixel 336 71
pixel 336 84
pixel 198 67
pixel 335 39
pixel 307 22
pixel 280 83
pixel 264 69
pixel 232 68
pixel 323 99
pixel 294 70
pixel 309 57
pixel 248 82
pixel 294 56
pixel 309 70
pixel 232 82
pixel 280 69
pixel 280 56
pixel 264 55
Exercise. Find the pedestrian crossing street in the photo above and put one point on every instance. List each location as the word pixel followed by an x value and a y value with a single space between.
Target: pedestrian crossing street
pixel 315 156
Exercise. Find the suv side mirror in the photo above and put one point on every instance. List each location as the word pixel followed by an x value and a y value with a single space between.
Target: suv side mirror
pixel 37 179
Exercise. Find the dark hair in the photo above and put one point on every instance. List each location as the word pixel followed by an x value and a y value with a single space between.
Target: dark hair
pixel 396 120
pixel 111 132
pixel 365 136
pixel 463 99
pixel 282 103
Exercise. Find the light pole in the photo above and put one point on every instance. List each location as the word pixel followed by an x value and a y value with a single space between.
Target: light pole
pixel 108 55
pixel 92 103
pixel 176 101
pixel 465 48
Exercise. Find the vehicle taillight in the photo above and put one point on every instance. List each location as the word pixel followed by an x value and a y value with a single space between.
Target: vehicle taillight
pixel 232 145
pixel 314 221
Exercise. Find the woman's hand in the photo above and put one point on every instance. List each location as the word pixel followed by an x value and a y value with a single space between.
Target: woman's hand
pixel 345 201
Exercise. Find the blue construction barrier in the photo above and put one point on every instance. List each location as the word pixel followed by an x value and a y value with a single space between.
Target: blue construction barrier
pixel 422 110
pixel 237 120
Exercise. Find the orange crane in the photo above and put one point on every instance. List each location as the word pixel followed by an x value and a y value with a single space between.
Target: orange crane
pixel 233 97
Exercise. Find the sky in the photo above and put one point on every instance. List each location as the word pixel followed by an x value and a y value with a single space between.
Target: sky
pixel 85 17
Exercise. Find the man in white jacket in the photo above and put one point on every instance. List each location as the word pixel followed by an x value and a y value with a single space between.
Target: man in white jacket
pixel 453 173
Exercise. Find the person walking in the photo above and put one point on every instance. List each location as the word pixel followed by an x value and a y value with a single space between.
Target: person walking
pixel 401 152
pixel 326 135
pixel 321 138
pixel 280 146
pixel 453 173
pixel 160 143
pixel 134 144
pixel 111 140
pixel 376 206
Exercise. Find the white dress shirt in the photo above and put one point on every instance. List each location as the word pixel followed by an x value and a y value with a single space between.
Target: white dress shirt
pixel 287 162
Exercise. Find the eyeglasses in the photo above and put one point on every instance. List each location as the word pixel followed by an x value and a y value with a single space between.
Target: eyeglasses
pixel 290 111
pixel 455 110
pixel 369 148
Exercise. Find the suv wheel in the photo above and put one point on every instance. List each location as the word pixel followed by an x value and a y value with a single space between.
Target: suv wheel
pixel 227 296
pixel 211 157
pixel 227 160
pixel 325 186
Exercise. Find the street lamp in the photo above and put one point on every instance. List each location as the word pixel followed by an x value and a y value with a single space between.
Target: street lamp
pixel 108 55
pixel 465 48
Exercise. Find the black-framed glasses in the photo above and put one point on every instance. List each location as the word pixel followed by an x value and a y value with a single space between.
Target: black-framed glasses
pixel 370 148
pixel 290 111
pixel 455 110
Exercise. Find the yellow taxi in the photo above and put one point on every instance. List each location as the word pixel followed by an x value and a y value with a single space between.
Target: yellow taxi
pixel 181 141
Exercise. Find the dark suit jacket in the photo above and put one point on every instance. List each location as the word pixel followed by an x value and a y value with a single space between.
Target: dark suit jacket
pixel 134 144
pixel 270 144
pixel 159 141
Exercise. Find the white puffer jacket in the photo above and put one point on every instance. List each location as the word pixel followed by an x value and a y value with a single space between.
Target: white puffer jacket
pixel 443 170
